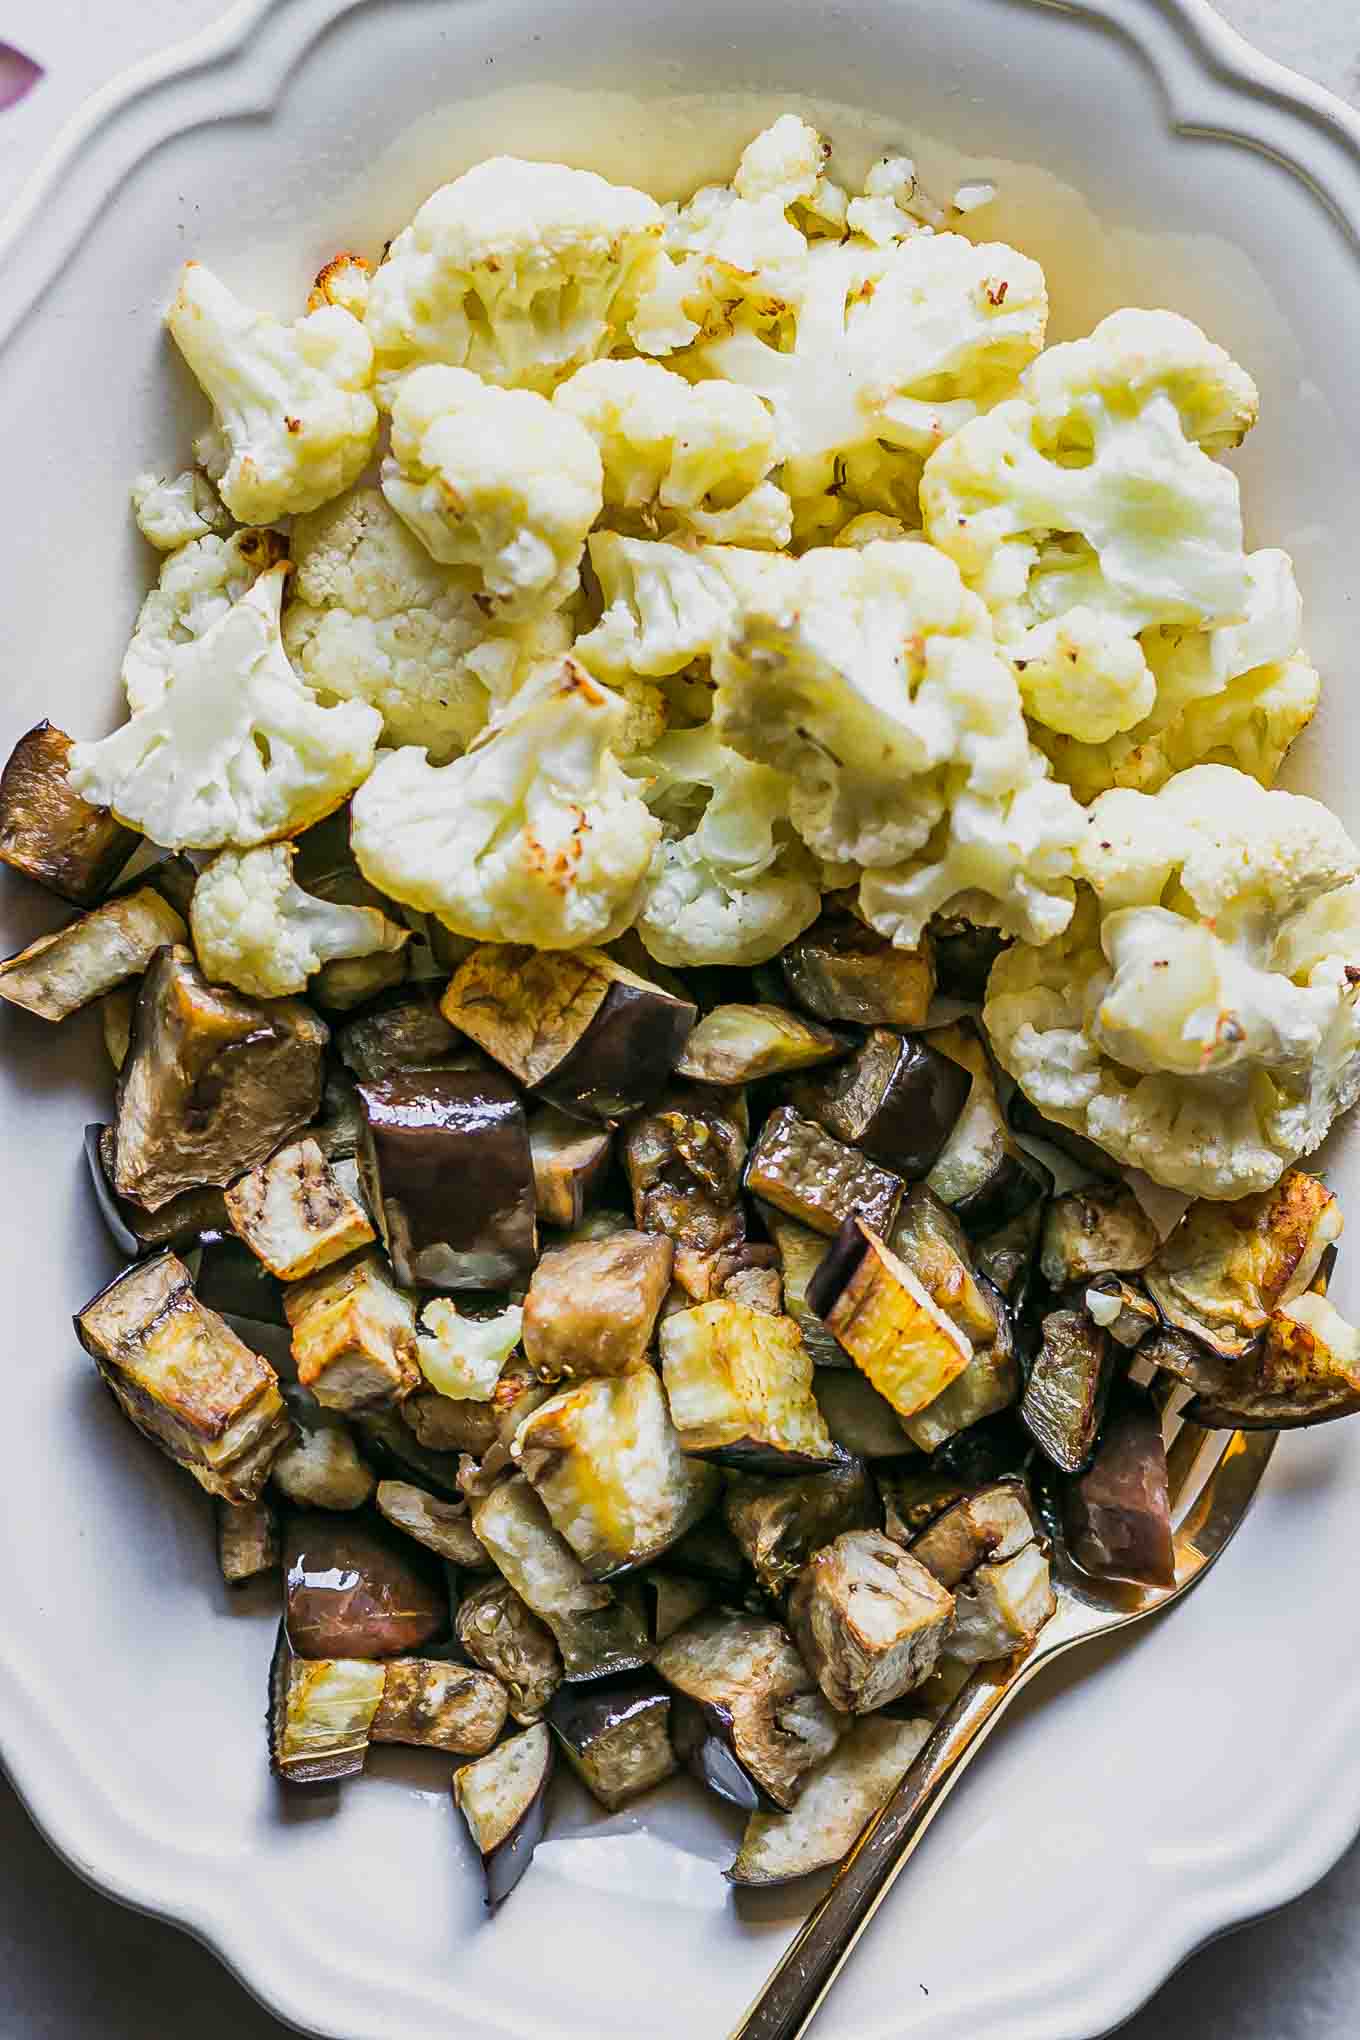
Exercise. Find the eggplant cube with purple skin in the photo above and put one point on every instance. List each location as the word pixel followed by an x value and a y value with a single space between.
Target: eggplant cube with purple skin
pixel 48 832
pixel 897 1099
pixel 503 1797
pixel 352 1589
pixel 739 1384
pixel 869 1621
pixel 819 1181
pixel 592 1305
pixel 59 973
pixel 982 1172
pixel 354 1336
pixel 320 1715
pixel 616 1736
pixel 1117 1515
pixel 608 1466
pixel 185 1379
pixel 570 1161
pixel 293 1213
pixel 840 970
pixel 684 1161
pixel 886 1320
pixel 437 1706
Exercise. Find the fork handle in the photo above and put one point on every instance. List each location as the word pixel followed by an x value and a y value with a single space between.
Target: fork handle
pixel 795 1988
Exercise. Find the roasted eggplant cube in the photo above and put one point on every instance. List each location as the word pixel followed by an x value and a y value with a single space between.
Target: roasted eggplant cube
pixel 1226 1267
pixel 1122 1308
pixel 739 1384
pixel 897 1099
pixel 293 1215
pixel 964 955
pixel 608 1466
pixel 755 1280
pixel 684 1162
pixel 58 974
pixel 48 832
pixel 1069 1380
pixel 116 1009
pixel 882 1315
pixel 404 1033
pixel 320 1715
pixel 778 1524
pixel 748 1720
pixel 819 1181
pixel 1009 1255
pixel 598 1629
pixel 392 1448
pixel 929 1238
pixel 671 1600
pixel 185 1379
pixel 994 1522
pixel 615 1736
pixel 354 1336
pixel 248 1542
pixel 801 1253
pixel 213 1081
pixel 592 1306
pixel 503 1797
pixel 194 1216
pixel 353 1589
pixel 711 1553
pixel 1001 1607
pixel 742 1044
pixel 349 981
pixel 1117 1515
pixel 989 1384
pixel 1028 1119
pixel 500 1632
pixel 320 1467
pixel 443 1527
pixel 860 1420
pixel 453 1177
pixel 869 1620
pixel 1305 1370
pixel 570 1162
pixel 840 970
pixel 1099 1230
pixel 443 1424
pixel 439 1706
pixel 839 1798
pixel 982 1172
pixel 577 1027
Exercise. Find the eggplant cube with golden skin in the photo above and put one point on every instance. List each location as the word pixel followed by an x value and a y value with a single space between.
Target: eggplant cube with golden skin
pixel 1304 1370
pixel 212 1084
pixel 684 1162
pixel 59 973
pixel 1226 1267
pixel 1099 1230
pixel 930 1239
pixel 817 1180
pixel 501 1633
pixel 354 1336
pixel 439 1706
pixel 869 1620
pixel 739 1384
pixel 778 1524
pixel 48 832
pixel 896 1099
pixel 293 1214
pixel 592 1305
pixel 442 1527
pixel 448 1154
pixel 741 1044
pixel 607 1464
pixel 989 1384
pixel 615 1736
pixel 576 1026
pixel 886 1321
pixel 320 1715
pixel 503 1797
pixel 748 1719
pixel 185 1379
pixel 840 970
pixel 598 1629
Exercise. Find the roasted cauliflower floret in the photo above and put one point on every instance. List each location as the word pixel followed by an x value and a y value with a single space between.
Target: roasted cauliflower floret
pixel 371 617
pixel 669 605
pixel 730 259
pixel 171 510
pixel 694 457
pixel 498 481
pixel 198 584
pixel 253 928
pixel 1198 1020
pixel 787 163
pixel 294 422
pixel 462 1356
pixel 236 750
pixel 517 271
pixel 536 835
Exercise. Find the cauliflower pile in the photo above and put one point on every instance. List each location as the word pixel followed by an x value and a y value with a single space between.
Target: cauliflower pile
pixel 689 562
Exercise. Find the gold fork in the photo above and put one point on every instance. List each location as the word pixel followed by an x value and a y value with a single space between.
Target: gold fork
pixel 1212 1484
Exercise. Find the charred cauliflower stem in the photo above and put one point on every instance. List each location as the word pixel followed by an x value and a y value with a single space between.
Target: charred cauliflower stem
pixel 737 738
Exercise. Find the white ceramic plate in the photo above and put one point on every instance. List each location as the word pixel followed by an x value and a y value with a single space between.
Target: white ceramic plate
pixel 1202 1772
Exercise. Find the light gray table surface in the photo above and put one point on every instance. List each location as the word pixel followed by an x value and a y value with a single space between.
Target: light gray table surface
pixel 75 1966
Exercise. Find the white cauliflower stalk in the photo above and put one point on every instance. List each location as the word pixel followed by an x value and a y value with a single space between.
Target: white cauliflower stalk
pixel 371 617
pixel 172 510
pixel 536 835
pixel 732 885
pixel 255 929
pixel 498 481
pixel 691 457
pixel 518 271
pixel 235 750
pixel 198 584
pixel 1198 1020
pixel 464 1357
pixel 294 420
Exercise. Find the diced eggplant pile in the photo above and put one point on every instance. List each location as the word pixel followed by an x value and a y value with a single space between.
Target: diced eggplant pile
pixel 618 1375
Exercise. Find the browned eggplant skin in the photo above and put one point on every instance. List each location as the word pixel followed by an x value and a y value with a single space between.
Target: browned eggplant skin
pixel 702 1732
pixel 684 1161
pixel 456 1178
pixel 317 1770
pixel 595 1725
pixel 798 1167
pixel 626 1056
pixel 354 1590
pixel 778 1523
pixel 402 1033
pixel 1117 1514
pixel 48 832
pixel 840 970
pixel 896 1099
pixel 1065 1395
pixel 570 1161
pixel 194 1215
pixel 248 1543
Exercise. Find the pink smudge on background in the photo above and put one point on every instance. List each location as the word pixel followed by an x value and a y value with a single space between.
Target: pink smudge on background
pixel 18 75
